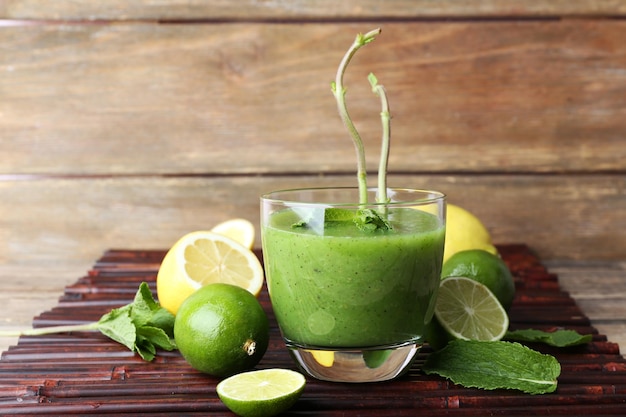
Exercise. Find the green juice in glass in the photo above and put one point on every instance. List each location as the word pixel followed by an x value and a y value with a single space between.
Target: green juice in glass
pixel 346 288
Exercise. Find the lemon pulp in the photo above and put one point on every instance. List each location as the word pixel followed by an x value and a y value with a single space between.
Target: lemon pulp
pixel 205 257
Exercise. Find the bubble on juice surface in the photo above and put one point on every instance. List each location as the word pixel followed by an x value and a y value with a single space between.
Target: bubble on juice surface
pixel 321 322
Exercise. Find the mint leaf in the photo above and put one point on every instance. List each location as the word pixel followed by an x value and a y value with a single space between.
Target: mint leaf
pixel 299 223
pixel 149 338
pixel 141 326
pixel 369 220
pixel 145 311
pixel 366 220
pixel 495 365
pixel 143 305
pixel 117 325
pixel 558 338
pixel 157 337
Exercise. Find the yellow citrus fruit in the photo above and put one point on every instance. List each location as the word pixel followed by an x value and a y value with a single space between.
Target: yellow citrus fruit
pixel 201 258
pixel 221 329
pixel 465 231
pixel 326 358
pixel 263 393
pixel 239 230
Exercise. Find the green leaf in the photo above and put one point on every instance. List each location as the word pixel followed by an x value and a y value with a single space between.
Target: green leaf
pixel 299 223
pixel 145 348
pixel 149 338
pixel 141 307
pixel 118 325
pixel 157 337
pixel 163 320
pixel 146 311
pixel 369 220
pixel 495 365
pixel 558 338
pixel 141 326
pixel 366 220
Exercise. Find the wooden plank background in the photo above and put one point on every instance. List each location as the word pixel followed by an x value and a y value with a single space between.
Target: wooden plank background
pixel 540 97
pixel 130 123
pixel 307 10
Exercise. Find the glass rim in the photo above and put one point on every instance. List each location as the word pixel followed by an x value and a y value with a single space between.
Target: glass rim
pixel 429 196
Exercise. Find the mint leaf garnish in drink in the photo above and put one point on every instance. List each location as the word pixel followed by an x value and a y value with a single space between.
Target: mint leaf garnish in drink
pixel 366 220
pixel 142 326
pixel 369 220
pixel 558 338
pixel 495 365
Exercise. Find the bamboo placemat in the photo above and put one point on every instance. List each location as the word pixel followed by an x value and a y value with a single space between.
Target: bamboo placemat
pixel 87 374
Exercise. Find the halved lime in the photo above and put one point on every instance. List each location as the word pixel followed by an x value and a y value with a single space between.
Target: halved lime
pixel 486 268
pixel 468 310
pixel 261 393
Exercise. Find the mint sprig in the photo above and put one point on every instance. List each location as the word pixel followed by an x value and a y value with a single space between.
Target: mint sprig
pixel 366 220
pixel 142 326
pixel 369 220
pixel 558 338
pixel 495 365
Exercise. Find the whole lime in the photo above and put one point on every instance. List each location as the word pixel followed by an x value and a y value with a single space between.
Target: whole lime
pixel 221 329
pixel 486 268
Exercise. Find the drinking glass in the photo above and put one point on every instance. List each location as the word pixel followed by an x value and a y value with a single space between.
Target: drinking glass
pixel 353 284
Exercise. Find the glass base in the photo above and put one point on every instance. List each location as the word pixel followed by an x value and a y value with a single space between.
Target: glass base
pixel 376 364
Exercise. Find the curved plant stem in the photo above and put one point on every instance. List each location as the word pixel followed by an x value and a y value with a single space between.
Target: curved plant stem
pixel 50 330
pixel 340 95
pixel 385 117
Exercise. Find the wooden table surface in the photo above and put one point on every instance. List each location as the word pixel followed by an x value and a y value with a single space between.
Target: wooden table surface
pixel 599 288
pixel 86 373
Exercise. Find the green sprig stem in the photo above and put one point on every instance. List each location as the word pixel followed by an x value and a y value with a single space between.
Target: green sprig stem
pixel 339 92
pixel 38 331
pixel 142 326
pixel 385 116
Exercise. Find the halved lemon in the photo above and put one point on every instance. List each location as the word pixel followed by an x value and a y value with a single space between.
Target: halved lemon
pixel 239 230
pixel 201 258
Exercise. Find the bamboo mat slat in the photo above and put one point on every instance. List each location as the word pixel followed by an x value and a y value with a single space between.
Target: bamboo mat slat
pixel 84 373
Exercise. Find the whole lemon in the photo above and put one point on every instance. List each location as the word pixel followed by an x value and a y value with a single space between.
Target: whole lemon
pixel 465 231
pixel 221 329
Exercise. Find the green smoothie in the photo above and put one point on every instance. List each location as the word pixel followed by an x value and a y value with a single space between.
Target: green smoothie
pixel 333 285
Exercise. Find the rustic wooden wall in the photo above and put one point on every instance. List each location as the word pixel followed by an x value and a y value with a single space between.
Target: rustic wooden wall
pixel 130 123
